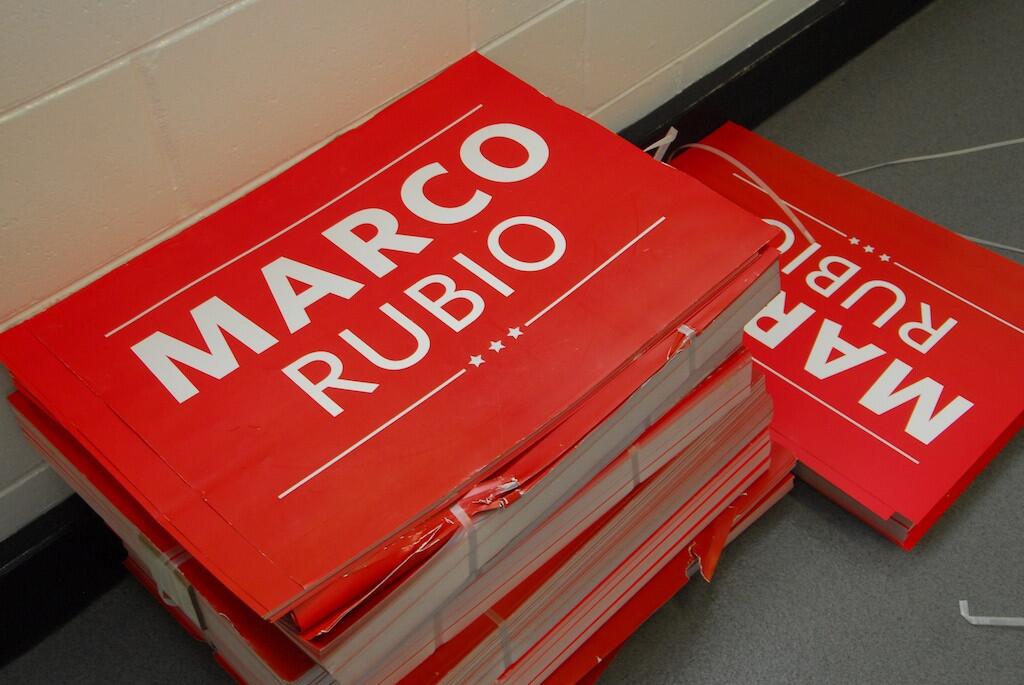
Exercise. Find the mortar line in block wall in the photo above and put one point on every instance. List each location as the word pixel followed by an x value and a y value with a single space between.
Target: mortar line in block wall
pixel 162 136
pixel 674 62
pixel 14 317
pixel 296 223
pixel 526 25
pixel 100 70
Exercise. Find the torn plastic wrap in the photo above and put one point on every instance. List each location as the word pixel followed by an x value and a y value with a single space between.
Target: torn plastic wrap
pixel 601 647
pixel 389 564
pixel 517 609
pixel 706 549
pixel 467 606
pixel 318 621
pixel 386 567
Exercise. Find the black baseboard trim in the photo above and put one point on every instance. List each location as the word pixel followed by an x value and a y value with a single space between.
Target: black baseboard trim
pixel 775 70
pixel 53 568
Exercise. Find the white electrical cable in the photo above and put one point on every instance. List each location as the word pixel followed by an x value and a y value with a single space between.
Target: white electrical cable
pixel 659 148
pixel 942 155
pixel 937 155
pixel 992 243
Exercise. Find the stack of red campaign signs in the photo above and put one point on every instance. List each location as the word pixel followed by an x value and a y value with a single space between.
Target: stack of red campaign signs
pixel 892 352
pixel 460 397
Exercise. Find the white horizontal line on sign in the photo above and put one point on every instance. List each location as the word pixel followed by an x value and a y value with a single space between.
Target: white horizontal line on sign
pixel 284 230
pixel 825 404
pixel 593 273
pixel 369 436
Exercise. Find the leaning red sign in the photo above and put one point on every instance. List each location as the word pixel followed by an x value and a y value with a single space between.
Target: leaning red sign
pixel 893 352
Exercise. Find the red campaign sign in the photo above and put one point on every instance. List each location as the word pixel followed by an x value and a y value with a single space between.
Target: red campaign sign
pixel 294 379
pixel 893 352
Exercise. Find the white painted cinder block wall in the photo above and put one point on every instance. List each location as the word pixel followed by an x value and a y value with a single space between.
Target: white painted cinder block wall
pixel 123 122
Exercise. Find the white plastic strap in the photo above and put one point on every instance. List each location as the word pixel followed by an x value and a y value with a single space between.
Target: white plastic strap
pixel 459 513
pixel 634 464
pixel 197 608
pixel 506 642
pixel 1003 621
pixel 173 556
pixel 660 147
pixel 757 180
pixel 691 337
pixel 438 629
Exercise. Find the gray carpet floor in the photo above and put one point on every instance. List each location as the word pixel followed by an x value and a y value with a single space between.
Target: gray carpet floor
pixel 808 594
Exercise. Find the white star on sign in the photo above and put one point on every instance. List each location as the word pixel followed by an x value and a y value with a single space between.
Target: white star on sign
pixel 855 241
pixel 497 345
pixel 476 360
pixel 869 248
pixel 885 258
pixel 514 333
